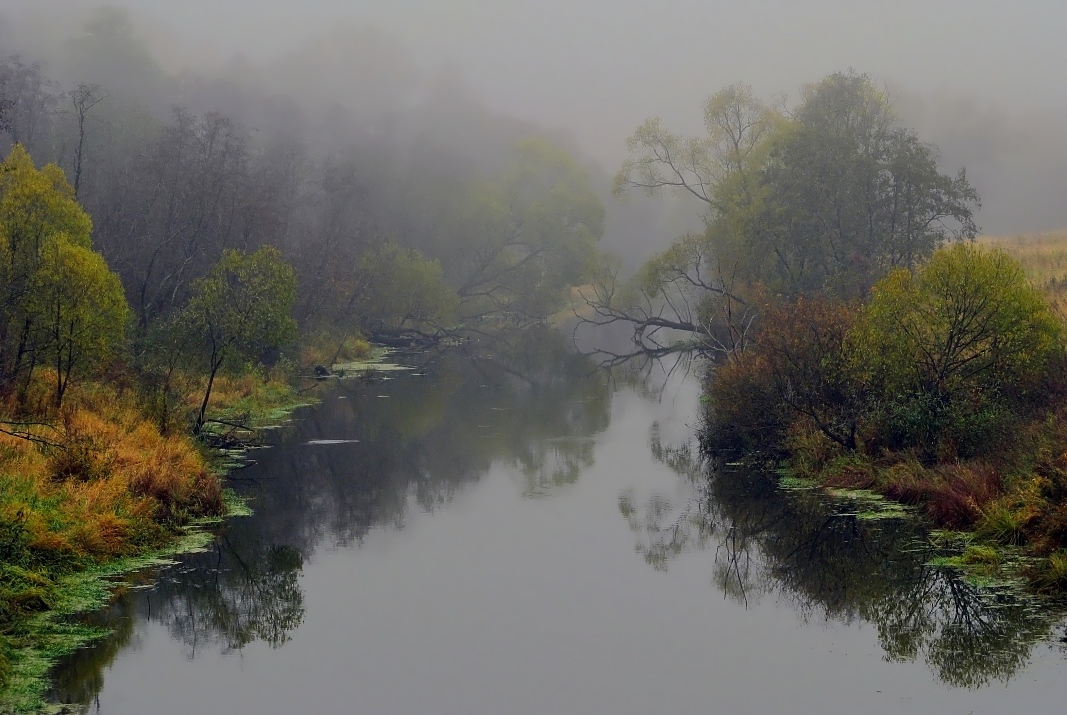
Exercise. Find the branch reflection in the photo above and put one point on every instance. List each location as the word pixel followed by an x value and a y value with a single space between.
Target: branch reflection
pixel 829 564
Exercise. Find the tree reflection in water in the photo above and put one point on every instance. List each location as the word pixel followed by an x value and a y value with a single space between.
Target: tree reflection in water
pixel 526 400
pixel 827 563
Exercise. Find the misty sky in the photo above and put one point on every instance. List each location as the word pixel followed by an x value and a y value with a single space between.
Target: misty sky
pixel 598 67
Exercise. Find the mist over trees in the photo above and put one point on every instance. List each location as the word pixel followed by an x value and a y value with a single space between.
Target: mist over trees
pixel 401 201
pixel 825 196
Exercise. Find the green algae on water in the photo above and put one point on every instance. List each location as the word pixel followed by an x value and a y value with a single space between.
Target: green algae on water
pixel 379 361
pixel 44 638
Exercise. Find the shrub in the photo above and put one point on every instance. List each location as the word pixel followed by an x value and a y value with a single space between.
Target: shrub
pixel 950 350
pixel 1003 522
pixel 952 495
pixel 742 412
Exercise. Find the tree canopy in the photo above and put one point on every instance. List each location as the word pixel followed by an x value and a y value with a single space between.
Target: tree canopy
pixel 242 309
pixel 827 196
pixel 59 302
pixel 531 235
pixel 80 310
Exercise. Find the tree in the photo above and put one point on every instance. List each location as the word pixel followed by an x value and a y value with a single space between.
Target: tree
pixel 810 362
pixel 827 199
pixel 969 315
pixel 79 308
pixel 183 211
pixel 29 99
pixel 954 343
pixel 36 206
pixel 398 288
pixel 937 362
pixel 851 195
pixel 83 99
pixel 738 125
pixel 528 237
pixel 242 308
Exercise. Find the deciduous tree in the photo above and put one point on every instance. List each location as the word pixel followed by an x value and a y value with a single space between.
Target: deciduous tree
pixel 242 309
pixel 79 309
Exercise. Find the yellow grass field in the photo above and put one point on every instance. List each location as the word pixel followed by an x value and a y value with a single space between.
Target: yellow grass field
pixel 1044 256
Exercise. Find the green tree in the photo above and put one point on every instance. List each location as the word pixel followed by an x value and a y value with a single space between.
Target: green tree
pixel 242 309
pixel 80 310
pixel 850 194
pixel 954 342
pixel 737 125
pixel 36 206
pixel 829 199
pixel 528 237
pixel 398 289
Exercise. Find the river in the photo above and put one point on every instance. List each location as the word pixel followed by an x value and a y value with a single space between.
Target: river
pixel 514 531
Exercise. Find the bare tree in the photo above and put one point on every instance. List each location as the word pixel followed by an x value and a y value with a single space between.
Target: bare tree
pixel 83 99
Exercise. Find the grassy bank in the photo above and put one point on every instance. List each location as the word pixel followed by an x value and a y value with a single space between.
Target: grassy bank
pixel 93 492
pixel 945 390
pixel 1005 516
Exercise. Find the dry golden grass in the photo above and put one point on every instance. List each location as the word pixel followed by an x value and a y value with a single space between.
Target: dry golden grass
pixel 109 484
pixel 322 349
pixel 1044 256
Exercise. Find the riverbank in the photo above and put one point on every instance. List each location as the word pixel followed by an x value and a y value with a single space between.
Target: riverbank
pixel 943 390
pixel 1002 518
pixel 96 493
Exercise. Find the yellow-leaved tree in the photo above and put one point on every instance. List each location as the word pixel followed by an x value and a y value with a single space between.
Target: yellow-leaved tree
pixel 59 303
pixel 80 310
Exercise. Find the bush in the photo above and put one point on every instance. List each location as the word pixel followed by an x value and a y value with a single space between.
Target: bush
pixel 742 412
pixel 952 495
pixel 941 361
pixel 949 352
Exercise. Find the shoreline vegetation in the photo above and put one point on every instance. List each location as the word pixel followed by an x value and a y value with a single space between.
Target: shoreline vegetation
pixel 861 335
pixel 168 274
pixel 943 392
pixel 105 495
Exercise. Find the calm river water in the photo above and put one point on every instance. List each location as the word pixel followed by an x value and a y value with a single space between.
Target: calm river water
pixel 515 532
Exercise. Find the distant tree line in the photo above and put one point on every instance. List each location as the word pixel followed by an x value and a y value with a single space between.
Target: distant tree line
pixel 400 221
pixel 827 196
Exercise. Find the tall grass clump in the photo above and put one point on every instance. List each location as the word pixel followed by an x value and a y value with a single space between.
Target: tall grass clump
pixel 90 483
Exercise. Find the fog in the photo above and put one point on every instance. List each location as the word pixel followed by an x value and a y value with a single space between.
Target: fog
pixel 979 79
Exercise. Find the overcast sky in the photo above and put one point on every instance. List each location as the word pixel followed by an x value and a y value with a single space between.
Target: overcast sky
pixel 598 67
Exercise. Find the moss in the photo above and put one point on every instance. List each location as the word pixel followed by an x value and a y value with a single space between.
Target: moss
pixel 380 360
pixel 38 642
pixel 261 405
pixel 75 522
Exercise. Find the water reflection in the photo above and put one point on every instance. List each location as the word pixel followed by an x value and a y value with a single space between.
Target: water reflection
pixel 826 563
pixel 361 460
pixel 374 454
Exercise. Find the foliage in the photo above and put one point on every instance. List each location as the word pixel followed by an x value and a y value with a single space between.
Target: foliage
pixel 242 310
pixel 398 288
pixel 948 346
pixel 808 345
pixel 851 194
pixel 826 198
pixel 58 300
pixel 34 205
pixel 532 236
pixel 941 392
pixel 82 310
pixel 938 360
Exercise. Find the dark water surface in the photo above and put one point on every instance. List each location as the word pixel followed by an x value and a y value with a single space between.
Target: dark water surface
pixel 516 535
